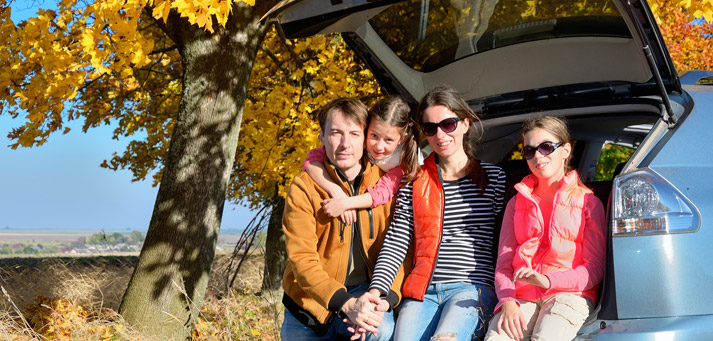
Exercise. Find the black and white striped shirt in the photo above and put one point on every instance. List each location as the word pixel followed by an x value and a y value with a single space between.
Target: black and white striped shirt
pixel 465 254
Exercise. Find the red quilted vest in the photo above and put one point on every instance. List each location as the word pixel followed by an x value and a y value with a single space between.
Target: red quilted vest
pixel 428 205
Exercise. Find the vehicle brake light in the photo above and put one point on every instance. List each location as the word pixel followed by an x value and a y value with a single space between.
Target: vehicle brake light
pixel 646 203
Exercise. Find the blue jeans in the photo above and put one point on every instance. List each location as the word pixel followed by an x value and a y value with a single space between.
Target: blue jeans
pixel 292 329
pixel 456 309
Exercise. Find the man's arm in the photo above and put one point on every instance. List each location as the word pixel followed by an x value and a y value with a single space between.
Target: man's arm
pixel 299 223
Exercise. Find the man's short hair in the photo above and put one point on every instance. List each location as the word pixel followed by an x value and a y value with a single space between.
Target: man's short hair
pixel 351 108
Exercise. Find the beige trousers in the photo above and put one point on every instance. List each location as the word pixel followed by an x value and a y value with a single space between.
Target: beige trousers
pixel 555 318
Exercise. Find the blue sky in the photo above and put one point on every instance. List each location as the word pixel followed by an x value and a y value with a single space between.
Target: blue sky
pixel 60 185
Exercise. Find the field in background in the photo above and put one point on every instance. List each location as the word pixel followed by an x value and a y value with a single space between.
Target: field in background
pixel 78 298
pixel 19 234
pixel 53 242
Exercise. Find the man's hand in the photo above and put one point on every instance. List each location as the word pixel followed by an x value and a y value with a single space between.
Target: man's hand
pixel 365 314
pixel 381 306
pixel 533 277
pixel 511 321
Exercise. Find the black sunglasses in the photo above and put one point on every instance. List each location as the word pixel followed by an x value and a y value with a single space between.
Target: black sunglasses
pixel 545 148
pixel 448 125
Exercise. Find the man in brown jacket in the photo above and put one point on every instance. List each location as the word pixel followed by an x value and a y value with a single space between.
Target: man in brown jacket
pixel 331 263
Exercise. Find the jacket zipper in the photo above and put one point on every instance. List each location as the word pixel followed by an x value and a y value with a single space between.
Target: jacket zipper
pixel 356 228
pixel 440 234
pixel 341 231
pixel 540 263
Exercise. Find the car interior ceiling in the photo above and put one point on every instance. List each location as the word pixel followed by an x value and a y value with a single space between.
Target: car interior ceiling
pixel 585 129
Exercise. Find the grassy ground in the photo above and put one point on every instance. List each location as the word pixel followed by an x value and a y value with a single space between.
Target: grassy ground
pixel 78 299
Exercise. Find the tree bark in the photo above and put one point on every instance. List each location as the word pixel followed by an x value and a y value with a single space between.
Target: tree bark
pixel 168 285
pixel 275 252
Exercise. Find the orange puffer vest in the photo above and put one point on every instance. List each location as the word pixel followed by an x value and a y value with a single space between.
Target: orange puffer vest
pixel 566 232
pixel 428 225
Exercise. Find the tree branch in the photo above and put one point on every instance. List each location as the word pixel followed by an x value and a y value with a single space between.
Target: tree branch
pixel 276 60
pixel 164 50
pixel 283 38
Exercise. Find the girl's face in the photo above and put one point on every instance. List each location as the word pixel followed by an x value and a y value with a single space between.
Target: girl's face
pixel 444 143
pixel 546 167
pixel 382 139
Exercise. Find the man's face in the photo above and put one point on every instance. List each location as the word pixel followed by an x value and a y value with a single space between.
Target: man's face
pixel 343 139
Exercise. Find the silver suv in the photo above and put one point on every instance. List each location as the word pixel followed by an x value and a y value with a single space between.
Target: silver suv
pixel 640 134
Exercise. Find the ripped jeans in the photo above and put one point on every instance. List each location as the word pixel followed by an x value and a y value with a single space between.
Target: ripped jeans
pixel 558 317
pixel 451 311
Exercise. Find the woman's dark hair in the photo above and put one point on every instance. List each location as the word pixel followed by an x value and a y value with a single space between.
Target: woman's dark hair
pixel 394 111
pixel 450 98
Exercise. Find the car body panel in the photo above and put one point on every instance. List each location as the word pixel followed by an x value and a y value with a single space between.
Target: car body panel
pixel 684 279
pixel 689 328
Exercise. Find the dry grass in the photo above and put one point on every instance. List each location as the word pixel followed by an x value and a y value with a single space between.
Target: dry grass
pixel 78 299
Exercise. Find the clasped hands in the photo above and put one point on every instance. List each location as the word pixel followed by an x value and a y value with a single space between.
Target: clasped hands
pixel 365 314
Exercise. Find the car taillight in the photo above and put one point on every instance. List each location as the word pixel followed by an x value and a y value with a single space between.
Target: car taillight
pixel 646 203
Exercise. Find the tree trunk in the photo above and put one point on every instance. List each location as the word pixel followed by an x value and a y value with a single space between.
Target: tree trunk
pixel 169 282
pixel 275 252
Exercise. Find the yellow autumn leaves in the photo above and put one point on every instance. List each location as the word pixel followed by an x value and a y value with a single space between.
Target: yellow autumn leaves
pixel 290 81
pixel 199 13
pixel 50 58
pixel 109 61
pixel 699 8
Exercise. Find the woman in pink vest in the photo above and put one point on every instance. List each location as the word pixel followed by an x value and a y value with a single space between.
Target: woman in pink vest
pixel 552 243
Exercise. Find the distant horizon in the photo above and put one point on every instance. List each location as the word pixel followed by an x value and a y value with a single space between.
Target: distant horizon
pixel 85 229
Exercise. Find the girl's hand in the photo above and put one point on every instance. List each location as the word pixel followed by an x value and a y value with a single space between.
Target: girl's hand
pixel 335 208
pixel 512 321
pixel 349 217
pixel 533 277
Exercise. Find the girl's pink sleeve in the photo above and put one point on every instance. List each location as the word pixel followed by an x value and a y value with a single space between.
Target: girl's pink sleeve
pixel 504 287
pixel 590 271
pixel 314 155
pixel 386 187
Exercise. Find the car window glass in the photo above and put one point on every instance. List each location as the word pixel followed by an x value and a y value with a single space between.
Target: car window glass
pixel 428 34
pixel 611 159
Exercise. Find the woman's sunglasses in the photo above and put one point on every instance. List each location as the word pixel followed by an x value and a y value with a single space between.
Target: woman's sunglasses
pixel 545 148
pixel 448 126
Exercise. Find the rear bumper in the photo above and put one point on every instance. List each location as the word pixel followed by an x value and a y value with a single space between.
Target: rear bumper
pixel 667 328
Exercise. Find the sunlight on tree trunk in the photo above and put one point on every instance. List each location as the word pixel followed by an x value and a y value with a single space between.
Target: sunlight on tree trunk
pixel 166 290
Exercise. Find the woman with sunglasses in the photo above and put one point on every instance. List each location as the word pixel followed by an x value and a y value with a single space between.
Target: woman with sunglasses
pixel 447 214
pixel 551 252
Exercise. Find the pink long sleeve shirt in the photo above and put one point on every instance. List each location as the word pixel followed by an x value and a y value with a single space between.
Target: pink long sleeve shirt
pixel 384 190
pixel 565 242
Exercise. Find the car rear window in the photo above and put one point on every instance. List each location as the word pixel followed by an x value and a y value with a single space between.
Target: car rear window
pixel 428 34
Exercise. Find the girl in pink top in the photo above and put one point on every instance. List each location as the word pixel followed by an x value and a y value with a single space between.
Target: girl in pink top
pixel 391 144
pixel 552 244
